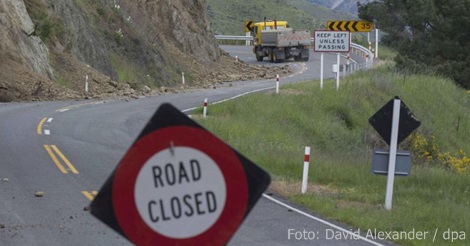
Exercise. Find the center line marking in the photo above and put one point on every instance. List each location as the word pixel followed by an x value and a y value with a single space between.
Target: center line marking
pixel 90 195
pixel 50 150
pixel 39 129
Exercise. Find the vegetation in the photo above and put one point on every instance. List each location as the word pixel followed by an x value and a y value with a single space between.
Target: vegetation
pixel 228 18
pixel 272 130
pixel 429 35
pixel 45 25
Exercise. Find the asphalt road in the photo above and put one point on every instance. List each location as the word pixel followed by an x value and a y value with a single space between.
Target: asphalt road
pixel 68 149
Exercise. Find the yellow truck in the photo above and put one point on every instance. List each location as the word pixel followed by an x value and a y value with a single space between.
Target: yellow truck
pixel 277 41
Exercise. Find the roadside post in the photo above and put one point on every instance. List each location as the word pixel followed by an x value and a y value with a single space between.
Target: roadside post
pixel 305 171
pixel 277 83
pixel 204 109
pixel 394 122
pixel 86 83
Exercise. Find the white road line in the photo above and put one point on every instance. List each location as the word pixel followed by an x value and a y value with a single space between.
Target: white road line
pixel 231 98
pixel 50 120
pixel 47 132
pixel 322 221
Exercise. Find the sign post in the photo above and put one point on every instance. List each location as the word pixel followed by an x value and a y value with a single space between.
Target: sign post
pixel 179 185
pixel 331 41
pixel 393 153
pixel 394 122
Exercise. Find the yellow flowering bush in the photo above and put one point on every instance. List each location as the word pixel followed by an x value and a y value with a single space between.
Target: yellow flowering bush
pixel 429 152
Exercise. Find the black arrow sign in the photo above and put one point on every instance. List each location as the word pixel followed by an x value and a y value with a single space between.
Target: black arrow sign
pixel 352 26
pixel 249 25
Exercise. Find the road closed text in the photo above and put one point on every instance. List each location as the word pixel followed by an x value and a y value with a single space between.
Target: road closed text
pixel 178 188
pixel 188 205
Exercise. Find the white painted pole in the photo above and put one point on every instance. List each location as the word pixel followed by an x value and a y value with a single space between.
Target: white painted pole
pixel 247 43
pixel 321 70
pixel 305 173
pixel 182 77
pixel 86 83
pixel 368 37
pixel 337 74
pixel 204 110
pixel 236 58
pixel 393 154
pixel 376 43
pixel 277 83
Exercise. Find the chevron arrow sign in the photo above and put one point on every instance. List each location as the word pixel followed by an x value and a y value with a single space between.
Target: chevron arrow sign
pixel 352 26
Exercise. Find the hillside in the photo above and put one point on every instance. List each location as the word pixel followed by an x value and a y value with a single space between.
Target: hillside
pixel 228 17
pixel 127 48
pixel 349 6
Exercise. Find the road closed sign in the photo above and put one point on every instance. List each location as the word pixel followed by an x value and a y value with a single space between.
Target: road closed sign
pixel 178 184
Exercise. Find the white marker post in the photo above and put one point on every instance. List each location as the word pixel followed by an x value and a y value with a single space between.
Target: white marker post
pixel 182 77
pixel 277 83
pixel 305 174
pixel 321 70
pixel 204 110
pixel 86 83
pixel 337 74
pixel 376 43
pixel 393 154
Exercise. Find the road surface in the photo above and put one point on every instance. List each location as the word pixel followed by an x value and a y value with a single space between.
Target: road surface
pixel 68 149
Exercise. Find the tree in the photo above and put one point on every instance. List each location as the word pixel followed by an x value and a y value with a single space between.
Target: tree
pixel 428 34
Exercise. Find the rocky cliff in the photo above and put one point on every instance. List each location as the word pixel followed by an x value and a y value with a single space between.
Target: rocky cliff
pixel 48 47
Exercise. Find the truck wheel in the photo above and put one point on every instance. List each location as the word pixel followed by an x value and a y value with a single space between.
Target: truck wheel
pixel 259 58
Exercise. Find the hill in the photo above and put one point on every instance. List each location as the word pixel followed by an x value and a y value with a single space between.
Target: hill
pixel 126 48
pixel 228 18
pixel 349 6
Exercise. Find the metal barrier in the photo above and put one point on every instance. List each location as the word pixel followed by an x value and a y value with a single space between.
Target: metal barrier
pixel 357 49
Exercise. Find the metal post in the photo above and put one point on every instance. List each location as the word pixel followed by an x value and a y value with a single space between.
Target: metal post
pixel 393 154
pixel 337 73
pixel 321 70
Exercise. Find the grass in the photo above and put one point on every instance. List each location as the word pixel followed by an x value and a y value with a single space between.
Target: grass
pixel 272 130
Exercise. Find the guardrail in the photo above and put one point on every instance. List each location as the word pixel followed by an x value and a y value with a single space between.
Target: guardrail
pixel 357 49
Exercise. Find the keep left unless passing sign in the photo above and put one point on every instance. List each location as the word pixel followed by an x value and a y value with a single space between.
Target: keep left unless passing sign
pixel 332 41
pixel 178 184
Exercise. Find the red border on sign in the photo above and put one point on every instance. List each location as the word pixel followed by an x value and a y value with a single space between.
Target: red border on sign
pixel 125 176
